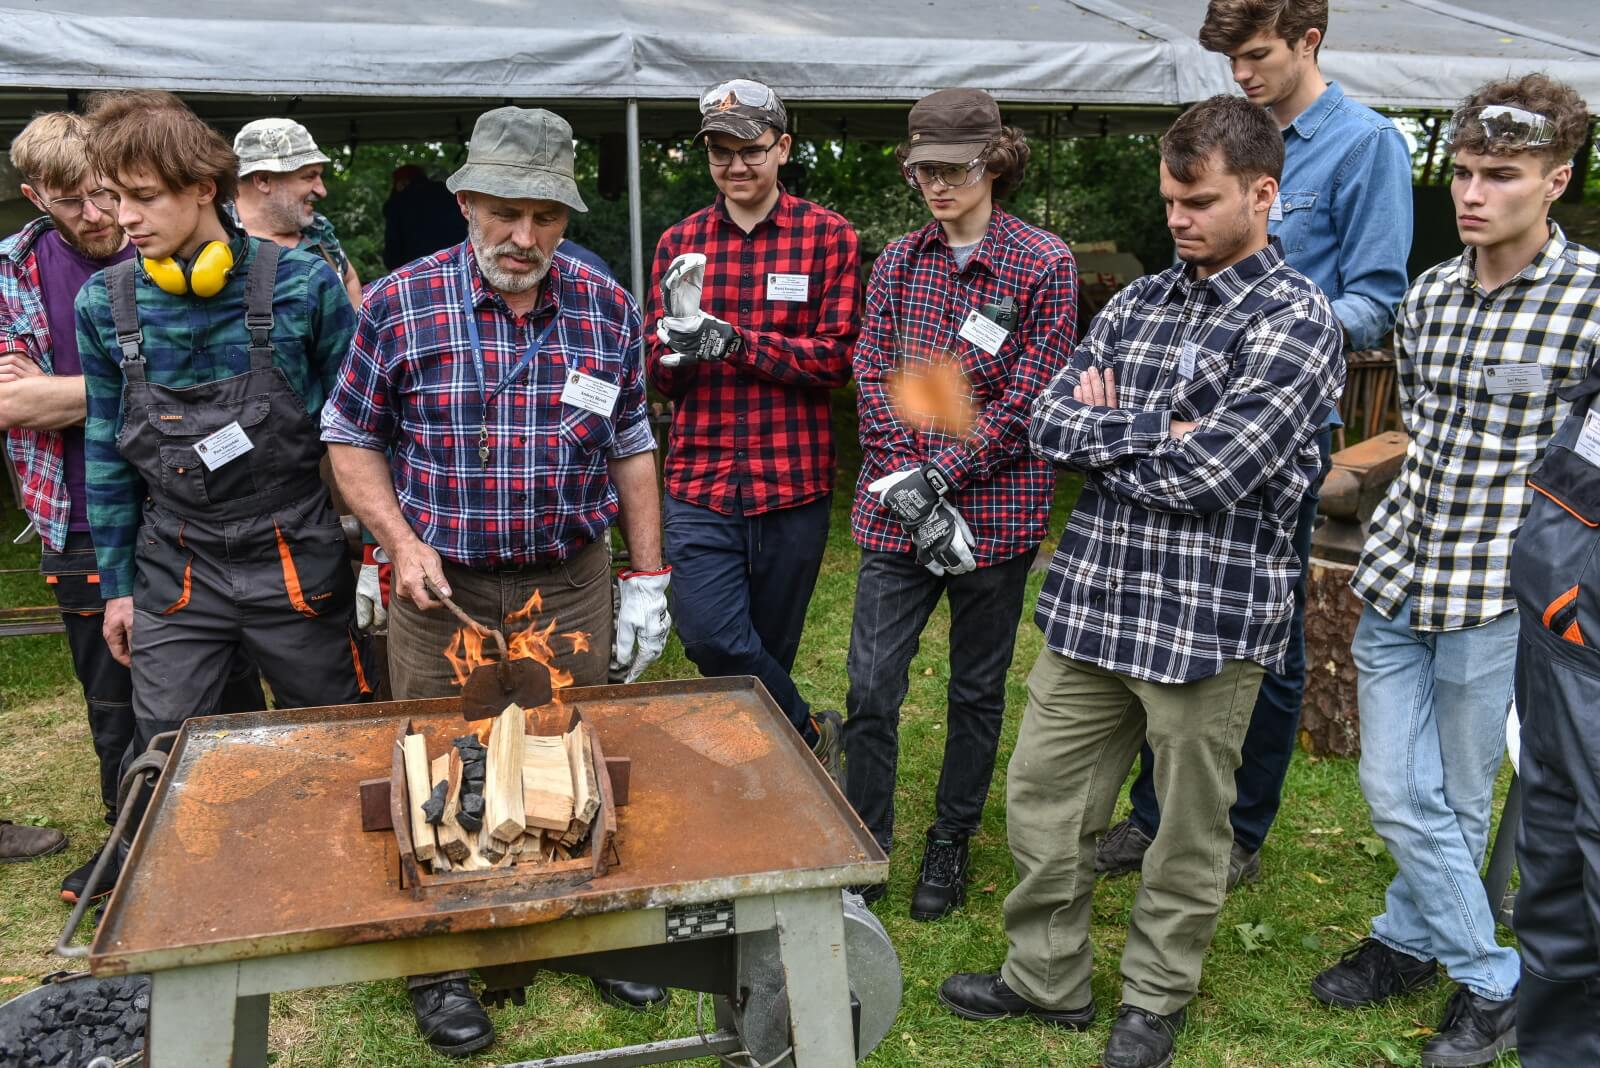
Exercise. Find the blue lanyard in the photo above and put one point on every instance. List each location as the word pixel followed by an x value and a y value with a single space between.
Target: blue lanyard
pixel 477 346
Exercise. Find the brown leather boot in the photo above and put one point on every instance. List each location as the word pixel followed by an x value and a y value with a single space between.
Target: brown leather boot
pixel 19 842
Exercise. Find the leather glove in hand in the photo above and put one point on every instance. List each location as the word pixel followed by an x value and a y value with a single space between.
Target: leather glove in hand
pixel 944 542
pixel 911 494
pixel 372 611
pixel 698 337
pixel 643 622
pixel 682 285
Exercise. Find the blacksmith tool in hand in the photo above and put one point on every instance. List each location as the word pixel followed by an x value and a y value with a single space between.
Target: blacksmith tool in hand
pixel 503 681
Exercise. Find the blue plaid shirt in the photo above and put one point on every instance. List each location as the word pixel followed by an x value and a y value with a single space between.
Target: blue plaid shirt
pixel 1179 555
pixel 409 387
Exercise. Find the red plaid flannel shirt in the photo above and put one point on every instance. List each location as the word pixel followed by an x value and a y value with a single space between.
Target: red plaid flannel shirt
pixel 38 455
pixel 756 426
pixel 916 303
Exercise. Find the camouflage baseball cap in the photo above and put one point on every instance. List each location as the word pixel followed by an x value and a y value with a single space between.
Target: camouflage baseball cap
pixel 279 146
pixel 520 154
pixel 741 108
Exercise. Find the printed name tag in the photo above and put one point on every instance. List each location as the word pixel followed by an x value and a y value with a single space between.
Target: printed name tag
pixel 987 334
pixel 1588 443
pixel 1186 357
pixel 789 287
pixel 1504 379
pixel 229 443
pixel 590 393
pixel 1275 213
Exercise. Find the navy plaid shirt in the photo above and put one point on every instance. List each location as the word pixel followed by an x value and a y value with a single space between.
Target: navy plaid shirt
pixel 408 386
pixel 1179 555
pixel 916 302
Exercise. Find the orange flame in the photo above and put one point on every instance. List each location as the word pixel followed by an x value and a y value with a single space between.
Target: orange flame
pixel 469 649
pixel 933 396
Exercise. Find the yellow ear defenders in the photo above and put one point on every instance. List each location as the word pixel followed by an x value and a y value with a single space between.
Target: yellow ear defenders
pixel 204 277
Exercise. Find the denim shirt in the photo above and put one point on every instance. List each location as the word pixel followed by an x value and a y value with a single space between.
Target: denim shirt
pixel 1344 211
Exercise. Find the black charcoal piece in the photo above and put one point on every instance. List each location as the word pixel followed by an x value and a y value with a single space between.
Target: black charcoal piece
pixel 469 822
pixel 433 807
pixel 472 803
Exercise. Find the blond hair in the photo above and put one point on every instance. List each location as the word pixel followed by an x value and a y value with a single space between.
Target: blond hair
pixel 52 151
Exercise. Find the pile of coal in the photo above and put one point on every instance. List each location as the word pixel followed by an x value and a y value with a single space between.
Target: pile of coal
pixel 474 760
pixel 70 1023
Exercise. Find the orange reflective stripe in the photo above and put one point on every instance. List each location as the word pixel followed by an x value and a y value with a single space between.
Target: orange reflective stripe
pixel 1558 604
pixel 94 577
pixel 291 577
pixel 1573 634
pixel 52 580
pixel 1563 505
pixel 188 575
pixel 355 658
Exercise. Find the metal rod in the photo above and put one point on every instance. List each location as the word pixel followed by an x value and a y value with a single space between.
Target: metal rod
pixel 467 621
pixel 676 1049
pixel 635 208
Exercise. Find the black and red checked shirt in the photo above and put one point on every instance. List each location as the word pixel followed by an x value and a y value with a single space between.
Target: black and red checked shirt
pixel 753 431
pixel 917 302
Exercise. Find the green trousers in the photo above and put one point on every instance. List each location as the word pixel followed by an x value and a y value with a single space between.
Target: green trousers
pixel 1080 732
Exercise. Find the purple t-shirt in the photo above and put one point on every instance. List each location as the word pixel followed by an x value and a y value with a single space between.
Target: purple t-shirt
pixel 62 272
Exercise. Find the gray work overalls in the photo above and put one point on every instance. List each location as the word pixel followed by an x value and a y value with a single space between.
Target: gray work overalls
pixel 247 555
pixel 1555 574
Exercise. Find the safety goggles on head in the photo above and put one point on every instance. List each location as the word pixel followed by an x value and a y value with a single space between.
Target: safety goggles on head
pixel 1503 126
pixel 950 174
pixel 104 200
pixel 739 91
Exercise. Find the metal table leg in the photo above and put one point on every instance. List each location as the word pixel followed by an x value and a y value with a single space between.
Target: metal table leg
pixel 811 937
pixel 1503 854
pixel 198 1020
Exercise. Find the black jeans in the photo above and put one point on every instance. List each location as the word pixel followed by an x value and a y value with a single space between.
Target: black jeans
pixel 895 595
pixel 740 588
pixel 1275 722
pixel 107 685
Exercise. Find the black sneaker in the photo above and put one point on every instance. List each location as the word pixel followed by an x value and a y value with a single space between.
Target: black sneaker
pixel 1244 866
pixel 1474 1031
pixel 1371 972
pixel 73 885
pixel 1121 850
pixel 985 996
pixel 829 746
pixel 1141 1038
pixel 942 883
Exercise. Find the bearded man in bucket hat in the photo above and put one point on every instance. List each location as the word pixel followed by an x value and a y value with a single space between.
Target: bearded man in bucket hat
pixel 456 357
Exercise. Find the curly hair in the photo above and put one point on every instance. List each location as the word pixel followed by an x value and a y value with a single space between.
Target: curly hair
pixel 1230 23
pixel 1006 156
pixel 1556 101
pixel 155 131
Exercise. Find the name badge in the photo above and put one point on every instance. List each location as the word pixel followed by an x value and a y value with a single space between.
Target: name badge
pixel 985 333
pixel 1186 357
pixel 1275 213
pixel 227 444
pixel 1504 379
pixel 1588 443
pixel 795 287
pixel 590 393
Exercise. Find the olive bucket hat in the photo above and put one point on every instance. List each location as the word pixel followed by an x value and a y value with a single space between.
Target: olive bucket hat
pixel 520 153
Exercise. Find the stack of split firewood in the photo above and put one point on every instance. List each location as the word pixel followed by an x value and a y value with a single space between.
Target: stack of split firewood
pixel 521 799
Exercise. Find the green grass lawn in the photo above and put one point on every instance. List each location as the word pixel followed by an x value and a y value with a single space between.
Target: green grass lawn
pixel 1320 884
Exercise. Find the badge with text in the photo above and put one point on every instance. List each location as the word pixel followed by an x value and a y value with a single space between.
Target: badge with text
pixel 590 393
pixel 1588 443
pixel 229 443
pixel 796 287
pixel 1186 356
pixel 1504 379
pixel 1275 213
pixel 985 333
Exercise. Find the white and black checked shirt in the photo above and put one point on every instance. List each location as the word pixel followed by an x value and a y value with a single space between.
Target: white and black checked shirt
pixel 1179 557
pixel 1442 535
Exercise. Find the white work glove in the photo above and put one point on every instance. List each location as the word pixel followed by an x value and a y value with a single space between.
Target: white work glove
pixel 914 496
pixel 643 622
pixel 682 285
pixel 371 614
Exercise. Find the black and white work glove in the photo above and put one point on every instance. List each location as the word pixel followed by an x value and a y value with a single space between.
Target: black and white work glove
pixel 944 542
pixel 700 337
pixel 915 497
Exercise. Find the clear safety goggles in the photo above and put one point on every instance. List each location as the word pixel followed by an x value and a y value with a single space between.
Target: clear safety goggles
pixel 739 91
pixel 1502 125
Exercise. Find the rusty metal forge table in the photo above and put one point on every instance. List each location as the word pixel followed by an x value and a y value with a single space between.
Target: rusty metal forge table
pixel 251 874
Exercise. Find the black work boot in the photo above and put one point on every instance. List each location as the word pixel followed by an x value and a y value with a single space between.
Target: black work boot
pixel 986 996
pixel 77 879
pixel 1474 1031
pixel 626 994
pixel 1244 866
pixel 1371 972
pixel 1141 1038
pixel 942 884
pixel 450 1018
pixel 1121 849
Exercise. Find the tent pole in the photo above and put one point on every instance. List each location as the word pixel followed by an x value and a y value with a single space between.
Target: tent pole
pixel 635 209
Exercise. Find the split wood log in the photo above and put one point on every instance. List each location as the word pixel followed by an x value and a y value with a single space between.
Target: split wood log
pixel 418 787
pixel 585 785
pixel 502 784
pixel 546 783
pixel 490 847
pixel 452 839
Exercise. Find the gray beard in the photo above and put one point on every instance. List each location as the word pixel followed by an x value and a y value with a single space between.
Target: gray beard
pixel 501 279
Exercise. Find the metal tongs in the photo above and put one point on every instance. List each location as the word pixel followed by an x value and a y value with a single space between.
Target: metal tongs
pixel 505 681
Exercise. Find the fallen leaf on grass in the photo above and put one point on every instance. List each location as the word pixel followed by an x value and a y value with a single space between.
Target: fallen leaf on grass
pixel 8 979
pixel 1314 877
pixel 1418 1032
pixel 1326 830
pixel 1373 847
pixel 1310 941
pixel 1254 936
pixel 927 672
pixel 989 888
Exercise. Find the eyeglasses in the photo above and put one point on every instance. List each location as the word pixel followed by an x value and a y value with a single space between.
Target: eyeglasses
pixel 951 174
pixel 752 155
pixel 103 199
pixel 739 91
pixel 1502 126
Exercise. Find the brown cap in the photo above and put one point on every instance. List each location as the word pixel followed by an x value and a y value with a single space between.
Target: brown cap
pixel 741 108
pixel 952 126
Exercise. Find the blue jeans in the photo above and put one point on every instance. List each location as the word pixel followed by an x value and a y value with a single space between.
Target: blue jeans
pixel 740 588
pixel 1275 721
pixel 1433 728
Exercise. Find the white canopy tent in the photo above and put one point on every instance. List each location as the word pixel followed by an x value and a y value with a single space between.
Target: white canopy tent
pixel 410 70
